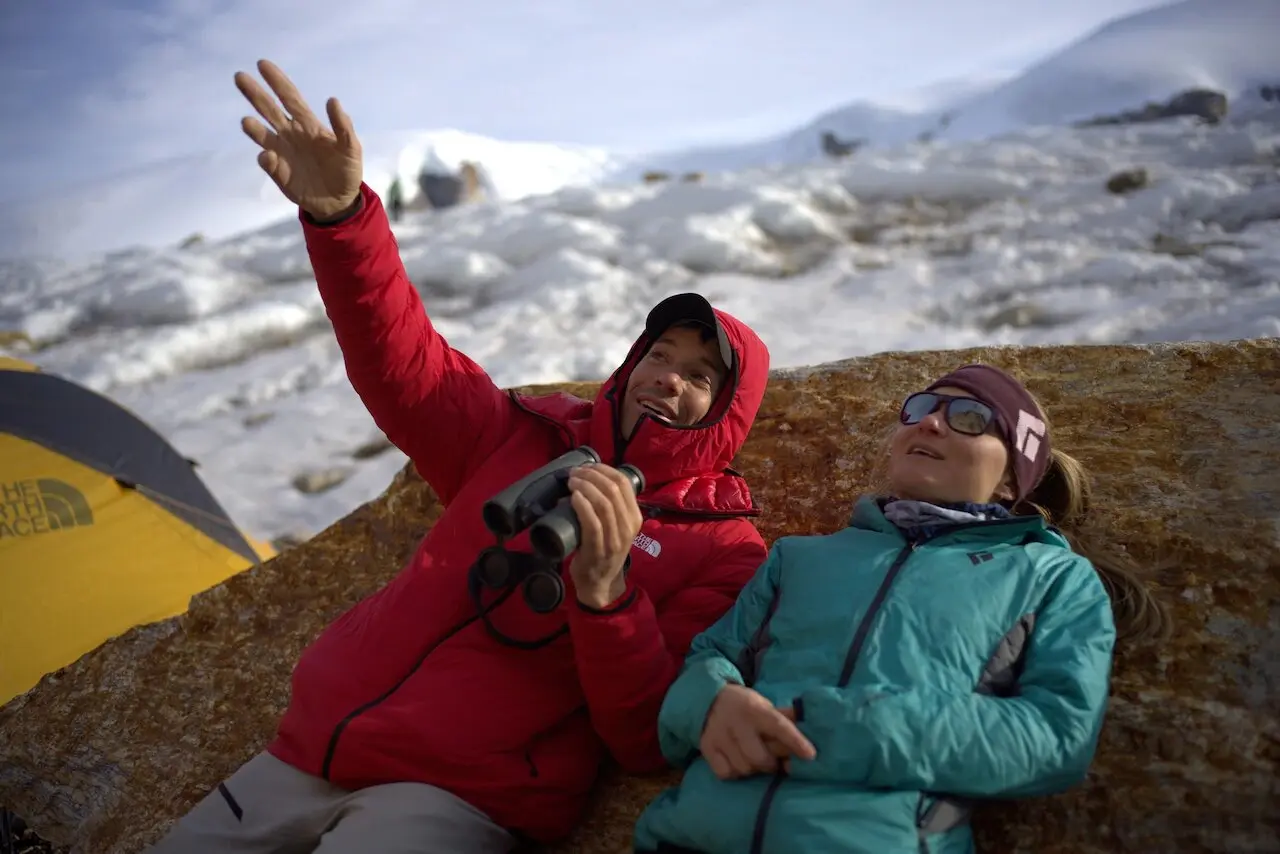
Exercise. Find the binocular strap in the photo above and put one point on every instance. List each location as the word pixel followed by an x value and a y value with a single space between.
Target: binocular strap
pixel 483 611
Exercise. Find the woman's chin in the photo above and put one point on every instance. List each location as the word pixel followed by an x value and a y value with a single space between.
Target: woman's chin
pixel 909 482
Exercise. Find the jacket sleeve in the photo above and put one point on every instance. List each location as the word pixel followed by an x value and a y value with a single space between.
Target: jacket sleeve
pixel 628 655
pixel 1038 742
pixel 717 657
pixel 434 403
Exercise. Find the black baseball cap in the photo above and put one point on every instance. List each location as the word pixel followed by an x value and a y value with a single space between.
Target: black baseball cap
pixel 683 308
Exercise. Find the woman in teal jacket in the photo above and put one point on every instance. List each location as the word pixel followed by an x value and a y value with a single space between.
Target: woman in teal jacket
pixel 948 645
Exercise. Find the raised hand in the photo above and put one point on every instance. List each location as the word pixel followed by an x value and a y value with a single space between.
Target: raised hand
pixel 316 168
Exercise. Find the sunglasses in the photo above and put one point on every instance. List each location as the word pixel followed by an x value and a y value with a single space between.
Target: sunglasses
pixel 963 414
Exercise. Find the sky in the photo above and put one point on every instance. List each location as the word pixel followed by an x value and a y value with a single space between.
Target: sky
pixel 95 88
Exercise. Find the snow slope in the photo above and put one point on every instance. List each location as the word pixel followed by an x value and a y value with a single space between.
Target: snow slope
pixel 1228 45
pixel 1225 44
pixel 226 349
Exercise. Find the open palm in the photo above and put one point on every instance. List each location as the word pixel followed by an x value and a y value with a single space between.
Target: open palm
pixel 316 168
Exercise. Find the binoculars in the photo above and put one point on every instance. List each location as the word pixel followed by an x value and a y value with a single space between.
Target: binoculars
pixel 538 502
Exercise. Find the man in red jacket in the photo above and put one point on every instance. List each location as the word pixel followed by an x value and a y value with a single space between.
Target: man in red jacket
pixel 439 714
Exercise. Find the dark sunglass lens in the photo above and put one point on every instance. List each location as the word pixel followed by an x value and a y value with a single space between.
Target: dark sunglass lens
pixel 969 416
pixel 917 406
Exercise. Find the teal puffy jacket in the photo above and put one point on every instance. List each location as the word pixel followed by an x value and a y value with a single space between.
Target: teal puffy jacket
pixel 971 664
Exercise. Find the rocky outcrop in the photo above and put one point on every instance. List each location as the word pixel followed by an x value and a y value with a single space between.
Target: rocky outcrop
pixel 833 146
pixel 1127 180
pixel 659 177
pixel 440 190
pixel 1184 441
pixel 1207 105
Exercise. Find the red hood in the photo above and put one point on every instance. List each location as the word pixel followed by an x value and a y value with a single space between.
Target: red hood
pixel 685 468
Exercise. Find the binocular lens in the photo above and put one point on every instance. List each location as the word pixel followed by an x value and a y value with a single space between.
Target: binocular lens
pixel 494 568
pixel 497 519
pixel 543 591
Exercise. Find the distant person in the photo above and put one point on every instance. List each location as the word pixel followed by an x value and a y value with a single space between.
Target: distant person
pixel 395 200
pixel 948 645
pixel 437 715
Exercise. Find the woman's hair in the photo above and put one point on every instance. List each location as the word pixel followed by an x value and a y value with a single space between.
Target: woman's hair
pixel 1063 498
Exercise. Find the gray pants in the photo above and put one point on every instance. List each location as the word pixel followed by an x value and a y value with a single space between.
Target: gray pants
pixel 270 807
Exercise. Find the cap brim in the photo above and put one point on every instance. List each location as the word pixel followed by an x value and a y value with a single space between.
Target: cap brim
pixel 689 307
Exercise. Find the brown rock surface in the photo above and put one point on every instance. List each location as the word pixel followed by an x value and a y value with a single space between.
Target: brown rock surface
pixel 1184 441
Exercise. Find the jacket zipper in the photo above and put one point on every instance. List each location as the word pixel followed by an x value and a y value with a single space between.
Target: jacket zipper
pixel 327 767
pixel 855 650
pixel 851 658
pixel 864 627
pixel 762 815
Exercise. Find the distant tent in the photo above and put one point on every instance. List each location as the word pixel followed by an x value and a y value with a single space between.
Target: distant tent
pixel 103 526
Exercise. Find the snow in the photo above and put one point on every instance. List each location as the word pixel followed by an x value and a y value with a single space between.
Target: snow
pixel 224 194
pixel 1226 45
pixel 225 348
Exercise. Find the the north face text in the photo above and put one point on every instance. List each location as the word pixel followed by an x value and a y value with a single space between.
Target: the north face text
pixel 41 506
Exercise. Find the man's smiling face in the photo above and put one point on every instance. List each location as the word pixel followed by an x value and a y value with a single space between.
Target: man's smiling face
pixel 677 380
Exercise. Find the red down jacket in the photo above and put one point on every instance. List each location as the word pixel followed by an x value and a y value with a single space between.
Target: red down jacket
pixel 408 685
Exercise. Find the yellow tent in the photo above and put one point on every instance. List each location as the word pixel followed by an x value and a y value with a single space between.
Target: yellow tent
pixel 103 526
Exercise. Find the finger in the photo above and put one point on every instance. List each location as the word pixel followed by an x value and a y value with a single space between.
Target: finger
pixel 270 163
pixel 278 170
pixel 343 129
pixel 591 536
pixel 738 761
pixel 624 482
pixel 287 93
pixel 617 517
pixel 777 748
pixel 610 476
pixel 753 750
pixel 603 507
pixel 592 473
pixel 788 712
pixel 261 101
pixel 786 732
pixel 719 764
pixel 629 515
pixel 256 130
pixel 635 516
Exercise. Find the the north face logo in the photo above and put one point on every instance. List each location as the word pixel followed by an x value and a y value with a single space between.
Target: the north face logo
pixel 41 506
pixel 647 544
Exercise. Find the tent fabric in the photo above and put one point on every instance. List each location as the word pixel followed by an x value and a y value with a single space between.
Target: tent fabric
pixel 93 430
pixel 103 527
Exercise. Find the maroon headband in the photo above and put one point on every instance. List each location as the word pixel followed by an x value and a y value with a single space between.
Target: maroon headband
pixel 1020 421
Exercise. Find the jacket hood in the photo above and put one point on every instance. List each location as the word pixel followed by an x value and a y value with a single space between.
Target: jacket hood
pixel 685 468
